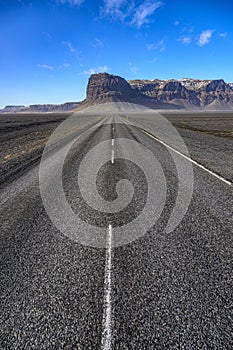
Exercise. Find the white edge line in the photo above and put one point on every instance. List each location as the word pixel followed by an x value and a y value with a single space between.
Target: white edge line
pixel 190 159
pixel 106 341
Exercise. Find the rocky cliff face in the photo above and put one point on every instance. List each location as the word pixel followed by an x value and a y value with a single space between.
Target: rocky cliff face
pixel 185 93
pixel 104 87
pixel 212 94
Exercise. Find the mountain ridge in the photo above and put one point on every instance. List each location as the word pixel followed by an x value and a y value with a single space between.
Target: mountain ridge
pixel 185 93
pixel 197 93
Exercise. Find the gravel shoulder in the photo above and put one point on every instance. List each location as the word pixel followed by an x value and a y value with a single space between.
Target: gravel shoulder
pixel 209 138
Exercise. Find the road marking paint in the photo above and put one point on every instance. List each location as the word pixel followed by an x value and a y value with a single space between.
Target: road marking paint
pixel 112 142
pixel 112 156
pixel 190 159
pixel 106 341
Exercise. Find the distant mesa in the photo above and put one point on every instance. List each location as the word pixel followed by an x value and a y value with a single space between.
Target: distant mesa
pixel 13 108
pixel 42 108
pixel 185 93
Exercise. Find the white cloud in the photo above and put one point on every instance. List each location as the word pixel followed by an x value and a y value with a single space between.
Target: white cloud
pixel 73 50
pixel 154 60
pixel 69 46
pixel 100 69
pixel 70 2
pixel 113 8
pixel 129 12
pixel 65 65
pixel 205 37
pixel 223 35
pixel 186 40
pixel 151 47
pixel 21 2
pixel 158 46
pixel 45 66
pixel 29 5
pixel 144 11
pixel 133 68
pixel 47 35
pixel 98 43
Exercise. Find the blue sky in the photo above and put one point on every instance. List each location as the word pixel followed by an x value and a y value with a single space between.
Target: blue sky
pixel 49 48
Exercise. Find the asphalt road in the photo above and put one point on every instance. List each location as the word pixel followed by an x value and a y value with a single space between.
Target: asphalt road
pixel 128 289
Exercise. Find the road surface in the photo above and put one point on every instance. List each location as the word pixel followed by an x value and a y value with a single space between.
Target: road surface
pixel 161 290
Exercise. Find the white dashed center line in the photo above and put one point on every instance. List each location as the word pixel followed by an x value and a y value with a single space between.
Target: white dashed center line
pixel 112 158
pixel 106 343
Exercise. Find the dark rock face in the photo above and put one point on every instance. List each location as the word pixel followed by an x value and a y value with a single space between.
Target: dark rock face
pixel 196 93
pixel 216 91
pixel 173 86
pixel 217 85
pixel 165 91
pixel 108 87
pixel 175 90
pixel 104 87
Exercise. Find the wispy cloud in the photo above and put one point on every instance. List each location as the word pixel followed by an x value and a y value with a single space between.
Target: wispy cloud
pixel 100 69
pixel 65 65
pixel 47 35
pixel 29 5
pixel 176 23
pixel 151 47
pixel 223 35
pixel 186 40
pixel 73 50
pixel 129 12
pixel 70 2
pixel 45 66
pixel 205 37
pixel 133 68
pixel 144 11
pixel 114 9
pixel 22 3
pixel 154 60
pixel 69 46
pixel 160 45
pixel 98 43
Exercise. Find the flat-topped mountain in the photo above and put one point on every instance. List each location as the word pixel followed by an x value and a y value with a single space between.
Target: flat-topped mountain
pixel 42 108
pixel 104 87
pixel 109 87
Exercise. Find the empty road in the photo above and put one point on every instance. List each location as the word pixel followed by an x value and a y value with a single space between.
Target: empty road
pixel 124 276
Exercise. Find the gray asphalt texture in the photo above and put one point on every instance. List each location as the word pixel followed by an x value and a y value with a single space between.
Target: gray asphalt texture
pixel 169 291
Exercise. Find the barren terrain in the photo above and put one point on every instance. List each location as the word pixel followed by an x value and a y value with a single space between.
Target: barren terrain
pixel 208 136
